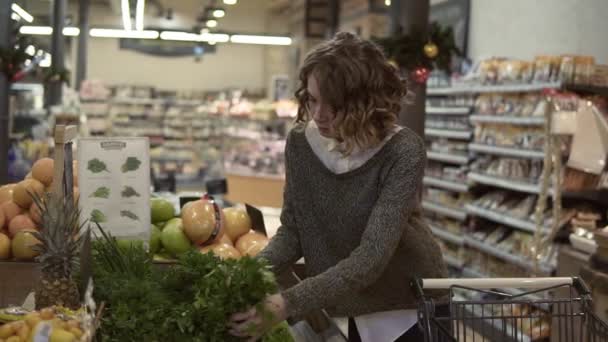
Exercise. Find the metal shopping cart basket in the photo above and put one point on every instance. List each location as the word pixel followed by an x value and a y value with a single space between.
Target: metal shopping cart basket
pixel 509 309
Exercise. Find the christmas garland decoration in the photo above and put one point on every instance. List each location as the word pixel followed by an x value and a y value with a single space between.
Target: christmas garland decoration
pixel 12 59
pixel 56 75
pixel 419 53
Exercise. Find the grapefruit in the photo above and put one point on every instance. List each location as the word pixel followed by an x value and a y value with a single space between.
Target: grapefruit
pixel 161 210
pixel 10 210
pixel 173 237
pixel 221 250
pixel 22 245
pixel 6 192
pixel 199 222
pixel 22 193
pixel 251 243
pixel 5 247
pixel 43 169
pixel 19 223
pixel 237 223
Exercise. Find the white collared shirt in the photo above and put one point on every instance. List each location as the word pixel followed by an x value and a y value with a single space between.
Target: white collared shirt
pixel 384 326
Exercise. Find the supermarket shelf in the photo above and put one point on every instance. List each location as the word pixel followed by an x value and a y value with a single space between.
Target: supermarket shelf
pixel 508 119
pixel 511 88
pixel 136 101
pixel 448 110
pixel 506 151
pixel 445 133
pixel 511 258
pixel 445 184
pixel 456 214
pixel 447 236
pixel 453 158
pixel 453 262
pixel 524 225
pixel 504 183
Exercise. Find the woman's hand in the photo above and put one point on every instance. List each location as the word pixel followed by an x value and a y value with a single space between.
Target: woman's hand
pixel 256 321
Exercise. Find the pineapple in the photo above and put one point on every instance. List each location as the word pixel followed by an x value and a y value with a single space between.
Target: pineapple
pixel 61 241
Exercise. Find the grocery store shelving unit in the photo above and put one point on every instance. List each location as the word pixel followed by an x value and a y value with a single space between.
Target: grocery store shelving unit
pixel 482 177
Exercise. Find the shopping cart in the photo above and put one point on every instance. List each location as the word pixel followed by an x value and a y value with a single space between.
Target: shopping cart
pixel 509 309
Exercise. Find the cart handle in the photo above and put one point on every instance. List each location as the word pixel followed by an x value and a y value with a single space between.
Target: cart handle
pixel 493 283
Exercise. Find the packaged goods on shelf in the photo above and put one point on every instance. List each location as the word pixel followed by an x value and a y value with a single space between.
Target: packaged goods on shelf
pixel 529 138
pixel 521 170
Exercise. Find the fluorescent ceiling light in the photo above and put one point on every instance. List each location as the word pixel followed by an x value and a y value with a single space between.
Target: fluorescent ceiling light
pixel 71 31
pixel 265 40
pixel 39 30
pixel 139 14
pixel 230 2
pixel 219 13
pixel 15 16
pixel 47 30
pixel 387 2
pixel 30 50
pixel 22 13
pixel 113 33
pixel 212 23
pixel 126 14
pixel 193 37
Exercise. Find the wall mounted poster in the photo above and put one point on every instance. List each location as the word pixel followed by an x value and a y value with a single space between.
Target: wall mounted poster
pixel 114 183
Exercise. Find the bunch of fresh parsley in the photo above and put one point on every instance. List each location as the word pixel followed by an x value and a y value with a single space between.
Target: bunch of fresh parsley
pixel 190 301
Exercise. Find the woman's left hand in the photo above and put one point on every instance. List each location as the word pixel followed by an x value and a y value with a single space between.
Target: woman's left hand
pixel 256 321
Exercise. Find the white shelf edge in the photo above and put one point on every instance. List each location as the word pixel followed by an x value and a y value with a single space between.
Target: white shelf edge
pixel 445 211
pixel 445 133
pixel 514 88
pixel 448 158
pixel 514 259
pixel 506 151
pixel 445 184
pixel 504 183
pixel 447 236
pixel 508 119
pixel 524 225
pixel 448 110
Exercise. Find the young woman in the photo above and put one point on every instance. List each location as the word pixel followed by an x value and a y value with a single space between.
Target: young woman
pixel 351 204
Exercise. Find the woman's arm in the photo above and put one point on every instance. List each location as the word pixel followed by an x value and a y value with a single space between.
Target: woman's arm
pixel 396 201
pixel 284 248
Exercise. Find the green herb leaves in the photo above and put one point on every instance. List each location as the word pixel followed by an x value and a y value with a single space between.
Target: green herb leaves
pixel 129 214
pixel 129 192
pixel 190 301
pixel 97 166
pixel 131 164
pixel 101 192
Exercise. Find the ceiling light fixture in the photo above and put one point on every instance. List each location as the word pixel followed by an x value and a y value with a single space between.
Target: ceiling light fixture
pixel 219 13
pixel 47 30
pixel 139 14
pixel 263 40
pixel 126 14
pixel 22 13
pixel 211 23
pixel 230 2
pixel 113 33
pixel 205 31
pixel 387 2
pixel 193 37
pixel 30 50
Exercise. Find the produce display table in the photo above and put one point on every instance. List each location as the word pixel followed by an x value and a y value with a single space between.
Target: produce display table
pixel 255 189
pixel 17 280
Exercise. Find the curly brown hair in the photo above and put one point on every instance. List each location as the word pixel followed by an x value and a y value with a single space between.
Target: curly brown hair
pixel 363 89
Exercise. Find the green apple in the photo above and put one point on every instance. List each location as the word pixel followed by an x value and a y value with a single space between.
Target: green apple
pixel 161 210
pixel 173 237
pixel 155 239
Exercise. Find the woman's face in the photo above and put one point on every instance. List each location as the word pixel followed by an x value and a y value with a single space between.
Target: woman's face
pixel 319 111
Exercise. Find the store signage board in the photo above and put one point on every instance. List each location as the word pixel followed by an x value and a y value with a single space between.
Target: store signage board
pixel 114 184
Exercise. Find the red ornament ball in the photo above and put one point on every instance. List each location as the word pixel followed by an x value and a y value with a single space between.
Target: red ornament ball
pixel 421 75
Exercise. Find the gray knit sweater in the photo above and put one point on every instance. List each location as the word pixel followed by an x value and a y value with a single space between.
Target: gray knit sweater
pixel 360 232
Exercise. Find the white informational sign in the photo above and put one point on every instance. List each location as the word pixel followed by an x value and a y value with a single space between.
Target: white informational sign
pixel 114 184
